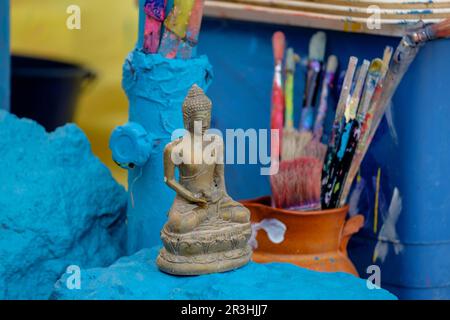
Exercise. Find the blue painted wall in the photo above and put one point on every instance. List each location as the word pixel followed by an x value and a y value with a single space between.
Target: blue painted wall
pixel 4 54
pixel 241 55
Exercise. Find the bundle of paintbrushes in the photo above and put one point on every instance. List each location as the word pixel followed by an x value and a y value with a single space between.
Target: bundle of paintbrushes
pixel 297 184
pixel 174 35
pixel 363 101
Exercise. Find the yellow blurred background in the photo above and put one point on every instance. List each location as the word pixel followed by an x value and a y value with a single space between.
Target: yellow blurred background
pixel 108 33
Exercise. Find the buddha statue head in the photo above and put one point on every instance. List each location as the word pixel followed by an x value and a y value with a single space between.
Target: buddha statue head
pixel 197 111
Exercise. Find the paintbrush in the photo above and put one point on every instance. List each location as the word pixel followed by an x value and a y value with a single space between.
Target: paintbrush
pixel 345 176
pixel 289 145
pixel 317 46
pixel 176 25
pixel 337 125
pixel 193 29
pixel 365 115
pixel 276 121
pixel 315 148
pixel 404 55
pixel 327 84
pixel 346 143
pixel 155 11
pixel 390 79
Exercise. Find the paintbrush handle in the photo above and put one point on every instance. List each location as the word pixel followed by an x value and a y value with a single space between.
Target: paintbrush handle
pixel 352 106
pixel 344 158
pixel 432 32
pixel 289 99
pixel 290 66
pixel 345 93
pixel 441 29
pixel 323 105
pixel 175 27
pixel 373 77
pixel 387 56
pixel 329 165
pixel 276 121
pixel 279 46
pixel 310 95
pixel 193 30
pixel 155 15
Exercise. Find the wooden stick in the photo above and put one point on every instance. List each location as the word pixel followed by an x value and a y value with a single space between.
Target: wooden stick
pixel 175 27
pixel 193 30
pixel 155 11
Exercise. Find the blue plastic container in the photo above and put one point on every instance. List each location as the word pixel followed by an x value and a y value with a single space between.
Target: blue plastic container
pixel 241 54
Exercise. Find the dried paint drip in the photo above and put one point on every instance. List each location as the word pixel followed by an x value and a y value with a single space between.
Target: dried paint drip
pixel 390 121
pixel 274 228
pixel 388 232
pixel 132 185
pixel 355 197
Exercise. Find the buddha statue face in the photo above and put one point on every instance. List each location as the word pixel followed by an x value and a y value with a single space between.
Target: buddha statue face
pixel 197 111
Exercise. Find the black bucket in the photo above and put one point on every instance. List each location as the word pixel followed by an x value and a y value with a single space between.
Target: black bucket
pixel 46 91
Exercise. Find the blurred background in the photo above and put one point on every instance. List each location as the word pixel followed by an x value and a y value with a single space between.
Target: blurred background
pixel 108 33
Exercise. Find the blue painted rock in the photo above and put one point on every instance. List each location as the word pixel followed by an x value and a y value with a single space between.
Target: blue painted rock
pixel 59 205
pixel 138 277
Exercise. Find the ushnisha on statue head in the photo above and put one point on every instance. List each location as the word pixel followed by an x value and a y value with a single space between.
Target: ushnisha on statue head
pixel 197 109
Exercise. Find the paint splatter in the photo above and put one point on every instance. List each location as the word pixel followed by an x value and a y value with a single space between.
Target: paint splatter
pixel 390 121
pixel 355 197
pixel 388 232
pixel 274 228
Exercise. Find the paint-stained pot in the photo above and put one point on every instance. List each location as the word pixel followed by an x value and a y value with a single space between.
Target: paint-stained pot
pixel 316 240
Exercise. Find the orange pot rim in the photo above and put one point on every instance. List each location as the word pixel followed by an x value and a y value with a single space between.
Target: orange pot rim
pixel 255 202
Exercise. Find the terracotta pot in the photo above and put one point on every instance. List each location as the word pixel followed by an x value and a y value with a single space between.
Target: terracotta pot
pixel 316 240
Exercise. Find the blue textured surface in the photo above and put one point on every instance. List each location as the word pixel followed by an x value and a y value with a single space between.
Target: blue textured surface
pixel 137 277
pixel 4 55
pixel 59 206
pixel 417 165
pixel 156 88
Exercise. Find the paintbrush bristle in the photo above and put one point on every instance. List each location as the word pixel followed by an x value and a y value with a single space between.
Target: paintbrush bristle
pixel 317 46
pixel 297 184
pixel 289 146
pixel 332 64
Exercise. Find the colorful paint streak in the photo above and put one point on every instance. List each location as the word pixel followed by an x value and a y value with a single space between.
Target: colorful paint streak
pixel 155 11
pixel 193 30
pixel 176 26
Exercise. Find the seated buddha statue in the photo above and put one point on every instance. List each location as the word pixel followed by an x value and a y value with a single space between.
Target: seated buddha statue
pixel 207 231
